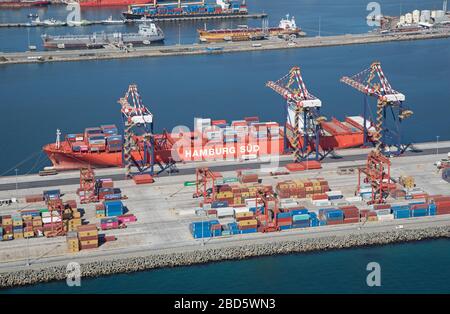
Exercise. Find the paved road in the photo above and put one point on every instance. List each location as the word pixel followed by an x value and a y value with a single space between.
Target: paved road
pixel 117 177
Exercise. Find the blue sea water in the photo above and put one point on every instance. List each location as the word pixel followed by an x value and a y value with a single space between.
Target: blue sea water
pixel 36 99
pixel 420 267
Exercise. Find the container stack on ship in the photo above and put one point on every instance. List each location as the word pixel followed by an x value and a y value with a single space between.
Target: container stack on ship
pixel 174 9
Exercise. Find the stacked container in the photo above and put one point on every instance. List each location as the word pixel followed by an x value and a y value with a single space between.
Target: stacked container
pixel 332 216
pixel 301 188
pixel 247 226
pixel 300 220
pixel 113 208
pixel 351 214
pixel 401 211
pixel 73 244
pixel 88 236
pixel 202 229
pixel 100 211
pixel 7 227
pixel 284 220
pixel 109 223
pixel 17 223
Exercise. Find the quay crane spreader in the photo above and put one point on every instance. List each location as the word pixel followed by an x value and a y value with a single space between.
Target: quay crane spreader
pixel 141 146
pixel 302 129
pixel 386 133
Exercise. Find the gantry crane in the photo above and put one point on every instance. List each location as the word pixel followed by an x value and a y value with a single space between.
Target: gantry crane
pixel 87 190
pixel 205 185
pixel 377 173
pixel 57 227
pixel 141 145
pixel 387 131
pixel 302 129
pixel 271 205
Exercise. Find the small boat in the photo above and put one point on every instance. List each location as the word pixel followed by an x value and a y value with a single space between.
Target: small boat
pixel 53 22
pixel 79 23
pixel 110 21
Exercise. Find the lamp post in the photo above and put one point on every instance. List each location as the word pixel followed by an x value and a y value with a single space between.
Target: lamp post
pixel 437 144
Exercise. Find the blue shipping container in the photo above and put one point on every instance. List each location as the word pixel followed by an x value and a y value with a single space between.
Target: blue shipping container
pixel 285 227
pixel 252 230
pixel 299 211
pixel 219 204
pixel 432 209
pixel 401 213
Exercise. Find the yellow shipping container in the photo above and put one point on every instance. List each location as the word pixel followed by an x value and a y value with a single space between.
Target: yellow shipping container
pixel 6 221
pixel 250 222
pixel 82 234
pixel 317 188
pixel 309 189
pixel 76 214
pixel 100 216
pixel 17 223
pixel 18 235
pixel 244 214
pixel 27 217
pixel 89 242
pixel 75 222
pixel 372 218
pixel 28 234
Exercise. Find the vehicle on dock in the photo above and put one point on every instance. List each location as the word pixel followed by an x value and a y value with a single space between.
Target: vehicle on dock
pixel 111 21
pixel 287 29
pixel 148 33
pixel 184 9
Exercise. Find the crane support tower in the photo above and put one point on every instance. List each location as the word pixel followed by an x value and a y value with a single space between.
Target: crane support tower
pixel 57 227
pixel 205 185
pixel 384 132
pixel 302 129
pixel 138 145
pixel 271 209
pixel 86 192
pixel 377 173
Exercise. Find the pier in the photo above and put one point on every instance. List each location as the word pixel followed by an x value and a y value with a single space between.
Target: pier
pixel 164 208
pixel 214 48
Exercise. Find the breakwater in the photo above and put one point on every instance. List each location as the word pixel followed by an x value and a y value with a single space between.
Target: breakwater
pixel 220 252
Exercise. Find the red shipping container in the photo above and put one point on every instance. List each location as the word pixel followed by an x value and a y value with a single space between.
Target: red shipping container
pixel 319 197
pixel 143 179
pixel 284 223
pixel 34 198
pixel 295 167
pixel 335 222
pixel 381 206
pixel 351 220
pixel 127 218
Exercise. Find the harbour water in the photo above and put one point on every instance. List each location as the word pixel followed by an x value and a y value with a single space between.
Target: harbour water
pixel 39 98
pixel 420 267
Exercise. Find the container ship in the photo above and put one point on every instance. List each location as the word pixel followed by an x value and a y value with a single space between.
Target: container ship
pixel 168 10
pixel 287 28
pixel 147 34
pixel 23 3
pixel 211 140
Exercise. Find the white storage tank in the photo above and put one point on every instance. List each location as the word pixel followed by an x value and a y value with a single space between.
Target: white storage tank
pixel 416 16
pixel 440 14
pixel 408 18
pixel 402 20
pixel 425 16
pixel 433 14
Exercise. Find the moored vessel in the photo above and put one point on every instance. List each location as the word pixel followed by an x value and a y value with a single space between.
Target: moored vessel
pixel 287 28
pixel 148 33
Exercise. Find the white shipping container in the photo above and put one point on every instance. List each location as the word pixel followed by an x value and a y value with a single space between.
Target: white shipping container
pixel 47 220
pixel 250 202
pixel 225 212
pixel 354 199
pixel 320 203
pixel 333 193
pixel 339 203
pixel 241 210
pixel 385 217
pixel 382 212
pixel 187 212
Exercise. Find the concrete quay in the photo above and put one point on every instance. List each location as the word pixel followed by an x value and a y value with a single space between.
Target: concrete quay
pixel 213 48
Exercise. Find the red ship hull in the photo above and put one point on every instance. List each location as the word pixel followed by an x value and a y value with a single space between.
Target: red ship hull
pixel 106 3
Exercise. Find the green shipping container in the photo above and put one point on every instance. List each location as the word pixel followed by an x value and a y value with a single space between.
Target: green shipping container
pixel 300 217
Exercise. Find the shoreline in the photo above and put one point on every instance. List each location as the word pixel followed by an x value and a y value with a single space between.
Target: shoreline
pixel 210 254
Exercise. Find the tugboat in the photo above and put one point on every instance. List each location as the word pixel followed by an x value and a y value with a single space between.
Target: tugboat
pixel 148 33
pixel 287 28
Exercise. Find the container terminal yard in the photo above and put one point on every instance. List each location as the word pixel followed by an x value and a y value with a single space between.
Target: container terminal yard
pixel 98 215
